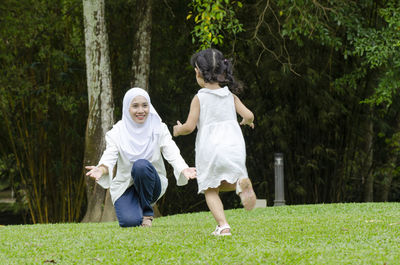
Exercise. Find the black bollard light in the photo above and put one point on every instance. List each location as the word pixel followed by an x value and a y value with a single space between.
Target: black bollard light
pixel 279 184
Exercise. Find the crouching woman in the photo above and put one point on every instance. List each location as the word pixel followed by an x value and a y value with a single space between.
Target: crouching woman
pixel 137 144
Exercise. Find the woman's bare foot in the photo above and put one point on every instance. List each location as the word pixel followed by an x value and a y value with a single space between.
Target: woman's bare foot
pixel 147 221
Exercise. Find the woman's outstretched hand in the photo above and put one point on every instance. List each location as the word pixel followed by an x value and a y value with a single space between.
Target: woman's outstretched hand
pixel 94 172
pixel 189 173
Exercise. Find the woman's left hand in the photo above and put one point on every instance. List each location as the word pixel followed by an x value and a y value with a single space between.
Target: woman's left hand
pixel 189 173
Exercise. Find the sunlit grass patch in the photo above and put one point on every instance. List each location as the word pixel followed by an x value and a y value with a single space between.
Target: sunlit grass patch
pixel 304 234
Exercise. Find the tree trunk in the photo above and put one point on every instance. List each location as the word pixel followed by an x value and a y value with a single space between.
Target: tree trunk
pixel 391 164
pixel 367 165
pixel 388 178
pixel 142 46
pixel 141 53
pixel 101 106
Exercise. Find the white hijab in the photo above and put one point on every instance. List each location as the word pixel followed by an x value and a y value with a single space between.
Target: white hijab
pixel 137 140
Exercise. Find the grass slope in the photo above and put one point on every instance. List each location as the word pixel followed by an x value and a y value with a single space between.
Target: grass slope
pixel 307 234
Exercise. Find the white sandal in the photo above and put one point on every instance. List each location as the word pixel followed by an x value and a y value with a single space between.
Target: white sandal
pixel 219 229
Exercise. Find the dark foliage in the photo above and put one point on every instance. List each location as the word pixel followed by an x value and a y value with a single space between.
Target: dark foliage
pixel 306 67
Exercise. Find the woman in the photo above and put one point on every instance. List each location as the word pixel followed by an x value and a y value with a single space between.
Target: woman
pixel 135 145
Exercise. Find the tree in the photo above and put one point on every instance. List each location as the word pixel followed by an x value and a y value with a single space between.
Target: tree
pixel 306 66
pixel 214 21
pixel 141 52
pixel 358 42
pixel 101 106
pixel 42 100
pixel 142 46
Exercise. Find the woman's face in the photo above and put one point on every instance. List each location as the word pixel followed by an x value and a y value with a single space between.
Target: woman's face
pixel 139 109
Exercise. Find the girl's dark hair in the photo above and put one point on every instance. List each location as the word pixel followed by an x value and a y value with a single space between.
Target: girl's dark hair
pixel 214 68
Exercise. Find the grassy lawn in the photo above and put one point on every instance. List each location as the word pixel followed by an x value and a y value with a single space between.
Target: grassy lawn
pixel 307 234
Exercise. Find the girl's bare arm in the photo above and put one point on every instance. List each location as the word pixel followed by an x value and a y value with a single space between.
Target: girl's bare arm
pixel 244 112
pixel 191 122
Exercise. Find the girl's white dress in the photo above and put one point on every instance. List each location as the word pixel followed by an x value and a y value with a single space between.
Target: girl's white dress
pixel 220 147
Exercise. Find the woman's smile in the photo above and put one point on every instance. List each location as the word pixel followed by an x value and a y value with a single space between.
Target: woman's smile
pixel 139 109
pixel 140 116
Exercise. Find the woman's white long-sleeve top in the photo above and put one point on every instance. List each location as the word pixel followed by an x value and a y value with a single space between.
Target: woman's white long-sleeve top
pixel 113 156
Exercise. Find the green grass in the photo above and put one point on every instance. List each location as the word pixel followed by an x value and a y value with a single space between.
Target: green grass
pixel 307 234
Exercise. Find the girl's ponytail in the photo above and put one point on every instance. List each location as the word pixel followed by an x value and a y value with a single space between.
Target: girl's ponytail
pixel 215 68
pixel 230 80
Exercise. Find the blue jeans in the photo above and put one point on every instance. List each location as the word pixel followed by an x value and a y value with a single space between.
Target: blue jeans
pixel 137 199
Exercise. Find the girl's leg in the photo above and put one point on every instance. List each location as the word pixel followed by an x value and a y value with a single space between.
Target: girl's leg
pixel 128 210
pixel 244 189
pixel 216 207
pixel 147 185
pixel 226 186
pixel 246 193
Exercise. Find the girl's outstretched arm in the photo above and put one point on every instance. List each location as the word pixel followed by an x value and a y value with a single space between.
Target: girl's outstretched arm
pixel 191 122
pixel 244 112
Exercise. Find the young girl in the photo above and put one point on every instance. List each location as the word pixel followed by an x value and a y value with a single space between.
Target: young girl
pixel 220 147
pixel 135 144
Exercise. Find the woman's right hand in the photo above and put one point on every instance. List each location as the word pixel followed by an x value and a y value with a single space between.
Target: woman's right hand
pixel 94 172
pixel 189 173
